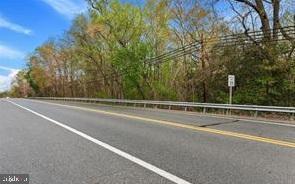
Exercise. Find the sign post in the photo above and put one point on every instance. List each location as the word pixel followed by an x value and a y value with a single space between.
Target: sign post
pixel 231 84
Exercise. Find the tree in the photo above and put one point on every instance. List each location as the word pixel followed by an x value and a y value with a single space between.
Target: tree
pixel 122 50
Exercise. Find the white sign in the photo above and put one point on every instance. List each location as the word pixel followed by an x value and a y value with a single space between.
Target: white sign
pixel 231 80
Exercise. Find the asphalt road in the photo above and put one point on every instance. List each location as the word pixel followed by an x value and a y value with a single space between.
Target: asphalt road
pixel 63 142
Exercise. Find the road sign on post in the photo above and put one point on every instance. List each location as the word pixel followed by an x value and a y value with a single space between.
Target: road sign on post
pixel 231 84
pixel 231 80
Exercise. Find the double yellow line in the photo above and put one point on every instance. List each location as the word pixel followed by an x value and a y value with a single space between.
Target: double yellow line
pixel 179 125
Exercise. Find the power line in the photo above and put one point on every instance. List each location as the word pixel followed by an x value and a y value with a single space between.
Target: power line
pixel 227 40
pixel 222 41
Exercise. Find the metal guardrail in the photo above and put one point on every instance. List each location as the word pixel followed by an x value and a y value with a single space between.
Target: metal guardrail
pixel 185 105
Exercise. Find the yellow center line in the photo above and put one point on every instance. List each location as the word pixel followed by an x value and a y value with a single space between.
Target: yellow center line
pixel 179 125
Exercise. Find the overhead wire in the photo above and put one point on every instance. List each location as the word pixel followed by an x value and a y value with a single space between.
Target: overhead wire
pixel 222 41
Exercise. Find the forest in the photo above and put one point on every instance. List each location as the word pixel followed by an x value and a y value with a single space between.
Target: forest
pixel 181 50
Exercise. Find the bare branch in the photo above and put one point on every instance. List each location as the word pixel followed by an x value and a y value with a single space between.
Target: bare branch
pixel 249 4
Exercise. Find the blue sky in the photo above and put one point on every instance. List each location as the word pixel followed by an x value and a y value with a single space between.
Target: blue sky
pixel 25 24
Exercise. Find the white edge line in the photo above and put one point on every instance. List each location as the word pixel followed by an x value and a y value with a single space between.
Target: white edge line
pixel 123 154
pixel 267 122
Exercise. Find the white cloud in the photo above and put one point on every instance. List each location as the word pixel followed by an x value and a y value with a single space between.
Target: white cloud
pixel 6 80
pixel 69 8
pixel 14 27
pixel 7 68
pixel 10 53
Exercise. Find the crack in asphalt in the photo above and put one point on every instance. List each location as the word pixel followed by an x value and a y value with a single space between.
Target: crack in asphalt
pixel 219 123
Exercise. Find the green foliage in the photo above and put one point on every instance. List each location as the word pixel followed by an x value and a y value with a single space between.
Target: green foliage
pixel 105 54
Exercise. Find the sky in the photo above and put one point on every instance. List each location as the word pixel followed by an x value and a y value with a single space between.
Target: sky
pixel 26 24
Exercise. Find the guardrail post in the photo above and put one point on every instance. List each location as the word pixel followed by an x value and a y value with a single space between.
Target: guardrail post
pixel 228 112
pixel 169 107
pixel 256 114
pixel 185 108
pixel 144 105
pixel 292 116
pixel 204 110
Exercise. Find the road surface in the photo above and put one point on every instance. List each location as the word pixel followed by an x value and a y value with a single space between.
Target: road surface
pixel 66 142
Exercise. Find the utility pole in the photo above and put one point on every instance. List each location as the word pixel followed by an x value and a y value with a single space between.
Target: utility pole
pixel 203 68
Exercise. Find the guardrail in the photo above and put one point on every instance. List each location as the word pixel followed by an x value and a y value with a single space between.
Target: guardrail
pixel 205 106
